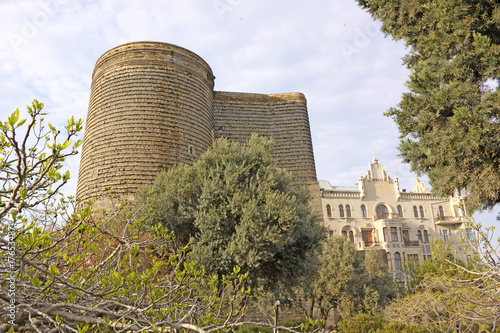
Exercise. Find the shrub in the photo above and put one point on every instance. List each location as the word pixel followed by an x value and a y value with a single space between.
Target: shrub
pixel 362 323
pixel 396 327
pixel 296 322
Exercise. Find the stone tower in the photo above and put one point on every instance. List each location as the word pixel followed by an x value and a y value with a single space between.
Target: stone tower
pixel 150 108
pixel 153 106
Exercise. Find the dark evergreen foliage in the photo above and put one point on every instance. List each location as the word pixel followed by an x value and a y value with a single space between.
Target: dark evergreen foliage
pixel 235 207
pixel 449 119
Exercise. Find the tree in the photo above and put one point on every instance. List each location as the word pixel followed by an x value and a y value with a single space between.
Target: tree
pixel 351 281
pixel 235 207
pixel 445 294
pixel 449 118
pixel 103 274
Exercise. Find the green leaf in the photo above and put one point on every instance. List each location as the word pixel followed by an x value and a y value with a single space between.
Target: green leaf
pixel 53 270
pixel 36 282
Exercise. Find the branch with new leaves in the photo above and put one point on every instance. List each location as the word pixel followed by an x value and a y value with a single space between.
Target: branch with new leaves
pixel 30 162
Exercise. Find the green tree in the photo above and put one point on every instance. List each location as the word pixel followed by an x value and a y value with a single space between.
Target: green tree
pixel 351 281
pixel 449 118
pixel 235 207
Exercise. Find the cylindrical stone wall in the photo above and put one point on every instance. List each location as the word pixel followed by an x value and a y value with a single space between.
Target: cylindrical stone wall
pixel 150 109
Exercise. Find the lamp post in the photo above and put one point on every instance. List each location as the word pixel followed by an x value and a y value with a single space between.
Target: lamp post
pixel 276 313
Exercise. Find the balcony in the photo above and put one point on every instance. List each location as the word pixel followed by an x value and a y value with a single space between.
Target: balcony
pixel 448 220
pixel 412 243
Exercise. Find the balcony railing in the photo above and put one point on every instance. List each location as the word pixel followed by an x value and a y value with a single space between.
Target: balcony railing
pixel 448 220
pixel 412 243
pixel 370 244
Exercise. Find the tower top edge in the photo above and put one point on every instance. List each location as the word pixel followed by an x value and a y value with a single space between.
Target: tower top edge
pixel 145 46
pixel 291 96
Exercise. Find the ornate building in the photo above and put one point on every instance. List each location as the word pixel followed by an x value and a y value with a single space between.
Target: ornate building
pixel 377 214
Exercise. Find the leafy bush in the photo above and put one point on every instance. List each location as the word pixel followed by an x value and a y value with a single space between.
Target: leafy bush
pixel 400 328
pixel 366 323
pixel 296 322
pixel 362 323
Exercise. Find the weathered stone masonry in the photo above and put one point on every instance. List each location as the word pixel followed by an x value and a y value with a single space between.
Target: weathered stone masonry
pixel 153 106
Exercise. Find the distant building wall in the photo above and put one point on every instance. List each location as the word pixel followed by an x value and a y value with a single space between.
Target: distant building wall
pixel 152 106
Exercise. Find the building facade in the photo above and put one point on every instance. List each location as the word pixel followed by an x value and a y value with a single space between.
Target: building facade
pixel 377 214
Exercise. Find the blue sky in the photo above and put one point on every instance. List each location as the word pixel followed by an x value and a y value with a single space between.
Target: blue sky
pixel 332 51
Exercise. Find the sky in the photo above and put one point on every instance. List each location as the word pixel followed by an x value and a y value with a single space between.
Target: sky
pixel 331 51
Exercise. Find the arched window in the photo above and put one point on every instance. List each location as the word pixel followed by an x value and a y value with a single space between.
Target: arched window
pixel 440 213
pixel 382 212
pixel 421 211
pixel 415 211
pixel 363 211
pixel 348 210
pixel 330 233
pixel 328 210
pixel 426 236
pixel 400 211
pixel 397 261
pixel 351 236
pixel 341 210
pixel 344 233
pixel 419 235
pixel 389 261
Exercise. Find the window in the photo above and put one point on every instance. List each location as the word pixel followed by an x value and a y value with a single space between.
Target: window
pixel 415 211
pixel 366 234
pixel 351 236
pixel 330 233
pixel 421 211
pixel 389 261
pixel 363 211
pixel 348 210
pixel 413 259
pixel 394 234
pixel 386 234
pixel 344 233
pixel 397 261
pixel 406 237
pixel 328 210
pixel 400 211
pixel 419 236
pixel 457 210
pixel 445 235
pixel 426 236
pixel 382 212
pixel 469 234
pixel 341 210
pixel 440 212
